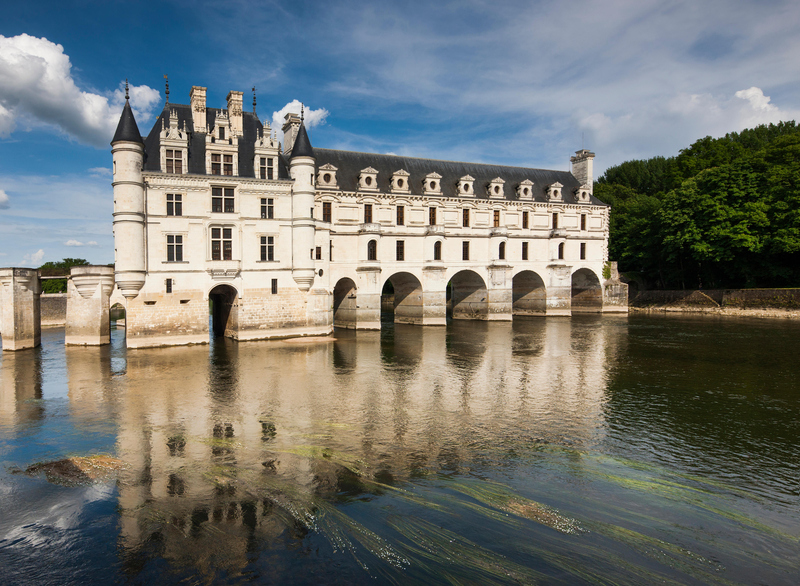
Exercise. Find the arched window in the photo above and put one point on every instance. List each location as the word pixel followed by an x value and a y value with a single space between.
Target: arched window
pixel 372 250
pixel 502 253
pixel 437 251
pixel 561 251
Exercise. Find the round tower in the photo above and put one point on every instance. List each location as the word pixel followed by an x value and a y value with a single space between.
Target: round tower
pixel 301 168
pixel 127 150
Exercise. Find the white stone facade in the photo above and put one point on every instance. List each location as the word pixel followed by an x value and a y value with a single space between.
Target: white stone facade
pixel 290 244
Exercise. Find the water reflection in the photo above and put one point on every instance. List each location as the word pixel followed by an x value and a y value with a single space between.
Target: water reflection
pixel 21 389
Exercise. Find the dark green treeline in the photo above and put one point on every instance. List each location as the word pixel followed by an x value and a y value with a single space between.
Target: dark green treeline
pixel 723 213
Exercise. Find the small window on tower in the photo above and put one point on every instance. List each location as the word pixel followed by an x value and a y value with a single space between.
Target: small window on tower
pixel 318 253
pixel 524 251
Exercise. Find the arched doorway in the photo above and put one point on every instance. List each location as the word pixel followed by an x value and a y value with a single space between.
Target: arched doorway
pixel 528 296
pixel 345 304
pixel 224 311
pixel 467 296
pixel 116 316
pixel 406 294
pixel 587 294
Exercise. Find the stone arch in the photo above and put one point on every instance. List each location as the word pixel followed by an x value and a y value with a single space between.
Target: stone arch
pixel 224 311
pixel 467 296
pixel 116 314
pixel 345 304
pixel 408 299
pixel 528 295
pixel 587 293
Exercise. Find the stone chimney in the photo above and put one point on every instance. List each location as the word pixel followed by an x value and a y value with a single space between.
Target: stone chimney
pixel 235 112
pixel 290 130
pixel 197 98
pixel 582 168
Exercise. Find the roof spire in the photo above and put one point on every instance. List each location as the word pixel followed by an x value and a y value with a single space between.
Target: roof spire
pixel 302 112
pixel 254 99
pixel 166 78
pixel 127 97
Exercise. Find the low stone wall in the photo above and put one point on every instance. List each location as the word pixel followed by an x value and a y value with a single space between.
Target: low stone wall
pixel 54 309
pixel 787 299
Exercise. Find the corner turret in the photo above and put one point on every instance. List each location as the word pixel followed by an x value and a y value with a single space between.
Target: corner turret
pixel 302 168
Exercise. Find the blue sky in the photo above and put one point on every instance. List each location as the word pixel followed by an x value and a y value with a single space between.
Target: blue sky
pixel 518 83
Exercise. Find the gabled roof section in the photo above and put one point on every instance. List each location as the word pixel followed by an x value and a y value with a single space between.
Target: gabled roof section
pixel 351 163
pixel 302 145
pixel 127 130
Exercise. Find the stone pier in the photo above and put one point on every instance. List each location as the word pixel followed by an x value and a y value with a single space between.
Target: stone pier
pixel 20 324
pixel 88 292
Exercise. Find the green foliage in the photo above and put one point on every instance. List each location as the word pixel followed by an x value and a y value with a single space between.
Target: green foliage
pixel 62 267
pixel 54 286
pixel 723 213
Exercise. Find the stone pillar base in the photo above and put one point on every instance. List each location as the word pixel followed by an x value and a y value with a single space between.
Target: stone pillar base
pixel 88 292
pixel 20 310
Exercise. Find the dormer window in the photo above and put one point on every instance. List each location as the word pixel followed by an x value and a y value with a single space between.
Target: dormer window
pixel 432 184
pixel 400 181
pixel 326 176
pixel 495 188
pixel 525 189
pixel 554 191
pixel 368 179
pixel 582 194
pixel 174 161
pixel 465 185
pixel 221 133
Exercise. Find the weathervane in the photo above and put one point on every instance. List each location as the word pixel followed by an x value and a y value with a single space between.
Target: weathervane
pixel 302 112
pixel 167 90
pixel 254 99
pixel 126 89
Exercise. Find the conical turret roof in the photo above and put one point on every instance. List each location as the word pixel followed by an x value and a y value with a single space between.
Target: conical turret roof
pixel 302 145
pixel 126 129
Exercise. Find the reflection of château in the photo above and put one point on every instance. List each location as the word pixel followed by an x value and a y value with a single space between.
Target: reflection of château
pixel 290 241
pixel 226 443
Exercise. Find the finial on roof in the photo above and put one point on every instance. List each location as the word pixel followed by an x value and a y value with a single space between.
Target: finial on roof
pixel 166 78
pixel 254 99
pixel 302 112
pixel 127 97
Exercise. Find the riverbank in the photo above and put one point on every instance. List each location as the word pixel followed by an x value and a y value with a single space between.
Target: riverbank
pixel 771 303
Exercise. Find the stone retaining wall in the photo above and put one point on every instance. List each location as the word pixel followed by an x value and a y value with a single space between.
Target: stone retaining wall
pixel 54 309
pixel 721 298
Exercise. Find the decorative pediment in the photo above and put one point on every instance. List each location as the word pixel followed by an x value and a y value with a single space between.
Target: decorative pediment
pixel 432 184
pixel 400 181
pixel 554 191
pixel 495 188
pixel 582 193
pixel 326 177
pixel 465 185
pixel 368 179
pixel 525 189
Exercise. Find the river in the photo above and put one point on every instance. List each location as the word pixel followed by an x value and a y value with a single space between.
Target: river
pixel 585 450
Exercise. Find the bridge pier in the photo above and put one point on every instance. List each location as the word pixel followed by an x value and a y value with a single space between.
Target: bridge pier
pixel 20 324
pixel 559 291
pixel 499 297
pixel 88 293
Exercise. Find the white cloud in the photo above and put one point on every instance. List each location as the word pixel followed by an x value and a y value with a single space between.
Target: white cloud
pixel 79 243
pixel 4 205
pixel 36 86
pixel 100 172
pixel 33 259
pixel 312 117
pixel 757 99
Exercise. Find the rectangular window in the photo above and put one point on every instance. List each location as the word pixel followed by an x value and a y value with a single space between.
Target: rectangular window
pixel 583 221
pixel 174 248
pixel 222 199
pixel 432 216
pixel 524 251
pixel 222 133
pixel 401 215
pixel 269 169
pixel 367 213
pixel 465 250
pixel 174 204
pixel 168 283
pixel 221 244
pixel 262 168
pixel 267 248
pixel 326 211
pixel 583 251
pixel 318 252
pixel 216 164
pixel 497 218
pixel 174 161
pixel 401 250
pixel 525 220
pixel 227 167
pixel 465 218
pixel 555 221
pixel 274 286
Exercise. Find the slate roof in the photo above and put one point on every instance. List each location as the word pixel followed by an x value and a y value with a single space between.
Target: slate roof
pixel 302 144
pixel 127 129
pixel 251 127
pixel 350 164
